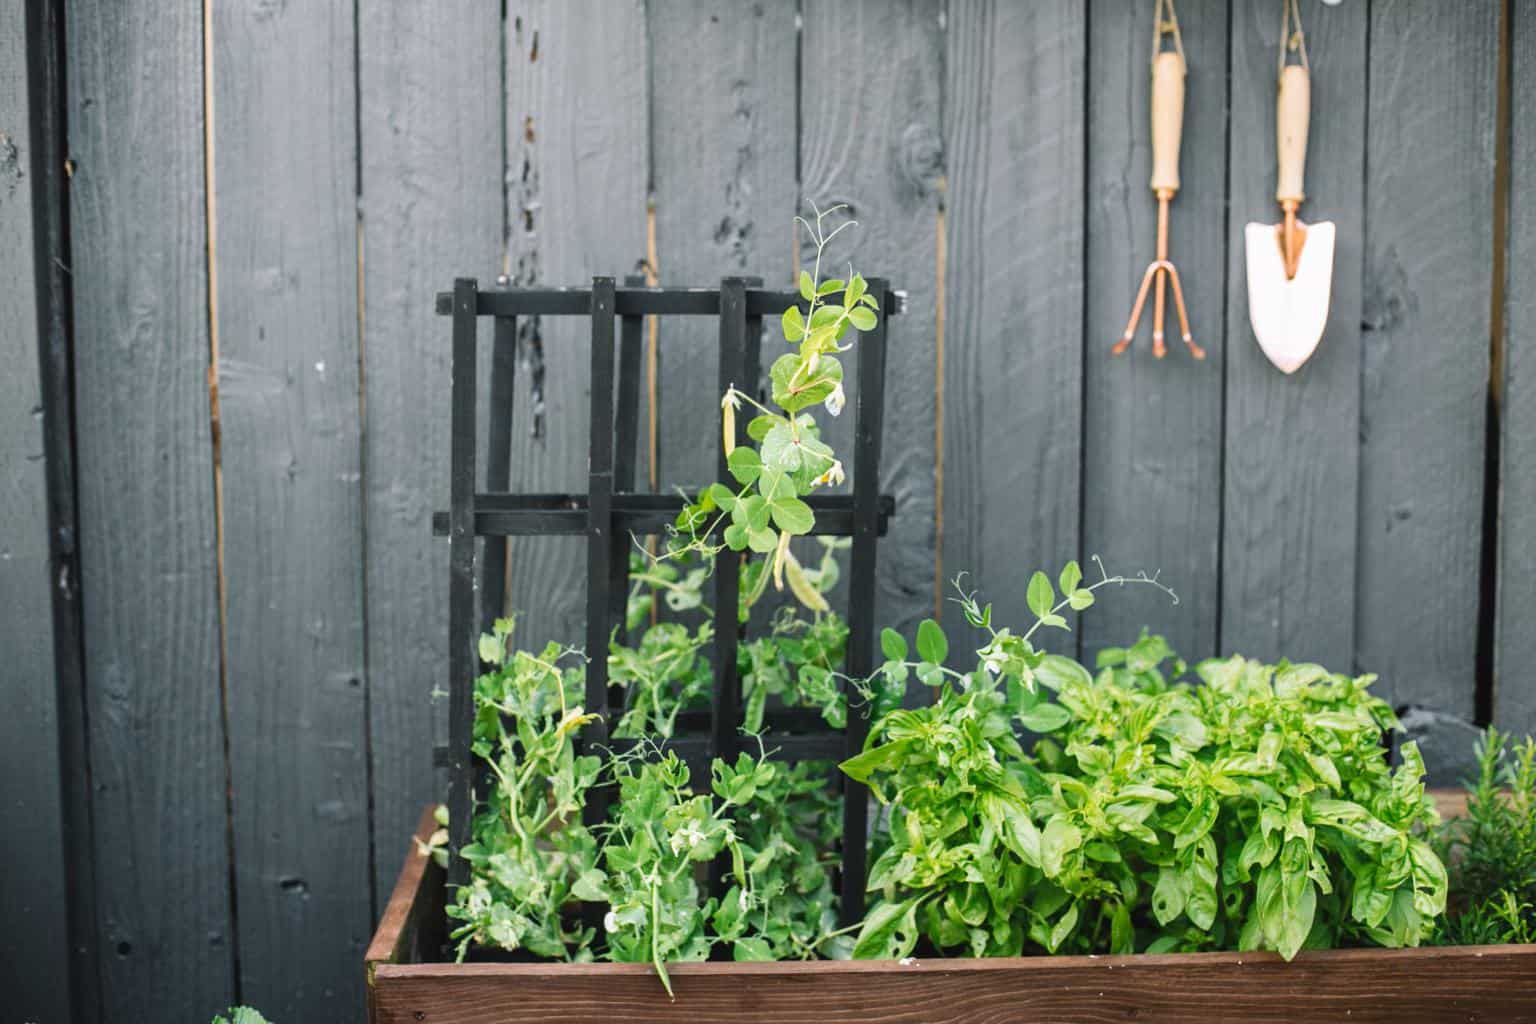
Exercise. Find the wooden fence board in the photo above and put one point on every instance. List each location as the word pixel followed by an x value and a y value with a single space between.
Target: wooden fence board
pixel 1514 694
pixel 1013 138
pixel 1152 429
pixel 284 145
pixel 723 118
pixel 1292 447
pixel 870 137
pixel 1424 390
pixel 431 107
pixel 146 507
pixel 576 171
pixel 34 953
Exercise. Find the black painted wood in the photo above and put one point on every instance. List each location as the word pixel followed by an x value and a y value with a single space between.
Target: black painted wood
pixel 577 151
pixel 498 464
pixel 869 429
pixel 1152 461
pixel 1013 319
pixel 871 83
pixel 145 446
pixel 1514 691
pixel 34 894
pixel 287 337
pixel 1424 374
pixel 431 161
pixel 1291 445
pixel 463 656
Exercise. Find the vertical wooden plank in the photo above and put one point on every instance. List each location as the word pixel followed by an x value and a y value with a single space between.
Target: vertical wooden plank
pixel 723 117
pixel 1514 694
pixel 576 166
pixel 431 106
pixel 149 559
pixel 1152 428
pixel 1013 139
pixel 1292 442
pixel 1424 390
pixel 285 268
pixel 870 138
pixel 34 954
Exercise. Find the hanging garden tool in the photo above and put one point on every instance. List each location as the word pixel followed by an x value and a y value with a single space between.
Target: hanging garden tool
pixel 1167 132
pixel 1290 264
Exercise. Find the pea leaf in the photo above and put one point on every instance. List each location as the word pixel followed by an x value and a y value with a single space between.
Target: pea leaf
pixel 932 645
pixel 793 516
pixel 793 324
pixel 893 645
pixel 1040 597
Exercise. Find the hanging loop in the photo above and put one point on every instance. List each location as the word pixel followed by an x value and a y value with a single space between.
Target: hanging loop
pixel 1165 25
pixel 1292 38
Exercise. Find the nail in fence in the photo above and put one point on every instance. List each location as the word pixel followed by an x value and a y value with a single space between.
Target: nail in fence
pixel 611 511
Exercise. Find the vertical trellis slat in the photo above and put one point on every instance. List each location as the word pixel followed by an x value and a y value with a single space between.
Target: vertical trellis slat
pixel 461 573
pixel 498 464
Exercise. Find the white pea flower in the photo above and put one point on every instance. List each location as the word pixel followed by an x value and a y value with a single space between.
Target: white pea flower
pixel 834 474
pixel 688 836
pixel 836 400
pixel 610 922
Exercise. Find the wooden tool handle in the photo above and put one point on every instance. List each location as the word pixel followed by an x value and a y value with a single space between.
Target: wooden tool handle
pixel 1167 120
pixel 1292 114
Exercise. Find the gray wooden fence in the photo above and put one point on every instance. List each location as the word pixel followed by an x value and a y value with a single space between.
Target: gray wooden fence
pixel 221 229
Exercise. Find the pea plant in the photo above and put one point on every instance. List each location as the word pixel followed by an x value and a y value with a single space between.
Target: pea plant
pixel 763 508
pixel 1253 812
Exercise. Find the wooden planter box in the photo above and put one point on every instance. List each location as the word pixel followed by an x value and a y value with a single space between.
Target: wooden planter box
pixel 1469 983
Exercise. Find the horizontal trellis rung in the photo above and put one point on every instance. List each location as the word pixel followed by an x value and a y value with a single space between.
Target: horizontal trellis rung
pixel 697 750
pixel 631 301
pixel 504 515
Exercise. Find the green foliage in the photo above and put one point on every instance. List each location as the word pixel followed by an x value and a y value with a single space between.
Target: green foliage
pixel 1253 812
pixel 533 861
pixel 763 506
pixel 531 851
pixel 1492 851
pixel 240 1015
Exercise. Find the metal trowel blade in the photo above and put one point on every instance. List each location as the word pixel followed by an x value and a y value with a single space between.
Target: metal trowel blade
pixel 1288 316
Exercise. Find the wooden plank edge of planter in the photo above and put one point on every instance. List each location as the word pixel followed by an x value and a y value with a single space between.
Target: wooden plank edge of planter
pixel 409 920
pixel 1431 983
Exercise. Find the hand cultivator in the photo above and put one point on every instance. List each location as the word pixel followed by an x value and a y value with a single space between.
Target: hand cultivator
pixel 1167 132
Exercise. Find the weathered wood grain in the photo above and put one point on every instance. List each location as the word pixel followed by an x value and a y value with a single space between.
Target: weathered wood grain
pixel 430 106
pixel 1424 386
pixel 146 507
pixel 576 173
pixel 1152 428
pixel 723 118
pixel 1292 442
pixel 1013 142
pixel 870 138
pixel 34 953
pixel 1373 985
pixel 284 145
pixel 1514 693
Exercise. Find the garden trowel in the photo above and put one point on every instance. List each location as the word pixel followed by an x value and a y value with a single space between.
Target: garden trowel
pixel 1290 264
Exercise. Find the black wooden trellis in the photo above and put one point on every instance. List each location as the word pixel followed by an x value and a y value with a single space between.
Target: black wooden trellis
pixel 612 511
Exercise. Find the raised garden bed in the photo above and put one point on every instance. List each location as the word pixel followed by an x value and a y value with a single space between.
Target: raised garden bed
pixel 410 978
pixel 1458 983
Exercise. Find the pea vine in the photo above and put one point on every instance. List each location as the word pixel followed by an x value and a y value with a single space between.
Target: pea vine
pixel 787 460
